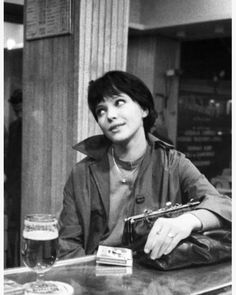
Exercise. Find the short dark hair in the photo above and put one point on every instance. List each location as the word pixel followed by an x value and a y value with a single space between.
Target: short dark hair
pixel 114 83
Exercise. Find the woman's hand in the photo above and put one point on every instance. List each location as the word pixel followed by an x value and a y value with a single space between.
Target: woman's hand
pixel 166 233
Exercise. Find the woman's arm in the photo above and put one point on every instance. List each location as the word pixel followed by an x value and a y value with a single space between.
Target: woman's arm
pixel 196 186
pixel 70 229
pixel 213 212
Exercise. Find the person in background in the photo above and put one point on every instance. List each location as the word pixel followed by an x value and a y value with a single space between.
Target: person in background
pixel 128 170
pixel 12 168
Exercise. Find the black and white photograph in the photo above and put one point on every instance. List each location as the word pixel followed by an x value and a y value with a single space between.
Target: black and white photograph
pixel 117 147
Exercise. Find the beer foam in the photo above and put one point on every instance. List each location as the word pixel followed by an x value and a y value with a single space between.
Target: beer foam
pixel 40 235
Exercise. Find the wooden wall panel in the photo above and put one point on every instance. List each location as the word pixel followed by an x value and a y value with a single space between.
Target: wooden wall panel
pixel 149 57
pixel 55 113
pixel 47 122
pixel 141 58
pixel 167 58
pixel 103 31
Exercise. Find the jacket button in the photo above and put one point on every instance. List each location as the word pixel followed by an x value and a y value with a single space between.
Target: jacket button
pixel 139 199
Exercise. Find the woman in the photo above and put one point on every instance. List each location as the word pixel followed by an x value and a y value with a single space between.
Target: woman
pixel 126 171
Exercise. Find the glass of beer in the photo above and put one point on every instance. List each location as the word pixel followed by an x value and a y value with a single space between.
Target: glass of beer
pixel 39 248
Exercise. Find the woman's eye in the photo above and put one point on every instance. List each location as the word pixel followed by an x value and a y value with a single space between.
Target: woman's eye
pixel 120 102
pixel 100 112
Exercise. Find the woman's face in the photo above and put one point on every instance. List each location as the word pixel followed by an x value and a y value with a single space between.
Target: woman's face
pixel 121 118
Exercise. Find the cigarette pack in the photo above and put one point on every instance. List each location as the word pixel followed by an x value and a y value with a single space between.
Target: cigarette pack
pixel 114 256
pixel 113 270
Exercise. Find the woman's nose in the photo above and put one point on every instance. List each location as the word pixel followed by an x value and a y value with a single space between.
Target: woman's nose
pixel 111 113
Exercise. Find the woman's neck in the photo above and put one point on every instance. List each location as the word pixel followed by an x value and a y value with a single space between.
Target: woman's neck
pixel 131 151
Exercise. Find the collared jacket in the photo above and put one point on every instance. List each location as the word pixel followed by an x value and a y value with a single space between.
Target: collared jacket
pixel 165 175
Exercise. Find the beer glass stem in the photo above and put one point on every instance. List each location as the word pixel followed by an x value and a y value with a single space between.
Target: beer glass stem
pixel 40 278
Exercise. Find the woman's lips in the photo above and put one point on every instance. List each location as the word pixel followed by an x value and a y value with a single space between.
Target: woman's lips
pixel 116 127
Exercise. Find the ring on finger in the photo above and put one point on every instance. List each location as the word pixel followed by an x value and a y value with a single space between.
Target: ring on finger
pixel 171 235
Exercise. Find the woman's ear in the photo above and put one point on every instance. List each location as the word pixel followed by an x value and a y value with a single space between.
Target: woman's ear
pixel 145 113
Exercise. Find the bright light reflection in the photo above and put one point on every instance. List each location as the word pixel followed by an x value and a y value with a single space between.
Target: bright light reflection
pixel 11 43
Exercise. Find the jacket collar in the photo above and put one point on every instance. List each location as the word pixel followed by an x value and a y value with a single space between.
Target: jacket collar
pixel 96 146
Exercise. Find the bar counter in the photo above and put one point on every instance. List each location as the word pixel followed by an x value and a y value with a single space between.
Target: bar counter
pixel 88 278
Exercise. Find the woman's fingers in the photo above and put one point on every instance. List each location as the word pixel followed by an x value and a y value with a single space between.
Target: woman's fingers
pixel 172 245
pixel 165 235
pixel 153 237
pixel 165 243
pixel 157 240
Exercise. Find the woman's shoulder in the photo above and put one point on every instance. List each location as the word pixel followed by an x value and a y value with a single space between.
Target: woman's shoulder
pixel 168 152
pixel 82 164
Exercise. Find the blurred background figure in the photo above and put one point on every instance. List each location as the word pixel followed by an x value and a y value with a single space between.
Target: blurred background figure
pixel 12 168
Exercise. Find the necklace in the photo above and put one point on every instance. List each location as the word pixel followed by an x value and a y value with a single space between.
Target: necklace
pixel 134 168
pixel 123 179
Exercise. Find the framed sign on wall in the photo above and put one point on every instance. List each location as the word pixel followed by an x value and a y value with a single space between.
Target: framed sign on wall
pixel 47 18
